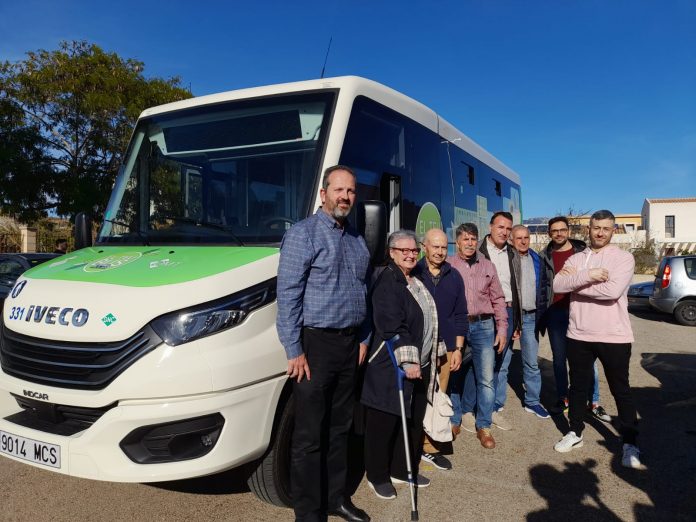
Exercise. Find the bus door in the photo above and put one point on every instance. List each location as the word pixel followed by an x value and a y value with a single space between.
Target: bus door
pixel 390 194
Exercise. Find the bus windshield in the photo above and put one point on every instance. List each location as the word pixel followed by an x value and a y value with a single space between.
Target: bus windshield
pixel 232 173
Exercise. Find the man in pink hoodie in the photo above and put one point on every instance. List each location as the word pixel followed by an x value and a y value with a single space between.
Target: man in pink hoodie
pixel 597 279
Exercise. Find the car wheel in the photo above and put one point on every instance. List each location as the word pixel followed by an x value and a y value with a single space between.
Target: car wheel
pixel 685 313
pixel 270 478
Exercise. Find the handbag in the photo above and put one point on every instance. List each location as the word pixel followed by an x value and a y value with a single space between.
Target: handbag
pixel 436 421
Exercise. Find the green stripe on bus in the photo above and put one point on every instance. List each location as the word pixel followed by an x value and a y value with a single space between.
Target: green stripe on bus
pixel 147 266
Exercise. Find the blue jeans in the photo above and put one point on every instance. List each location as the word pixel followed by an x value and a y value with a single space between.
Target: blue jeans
pixel 530 364
pixel 502 364
pixel 557 319
pixel 472 386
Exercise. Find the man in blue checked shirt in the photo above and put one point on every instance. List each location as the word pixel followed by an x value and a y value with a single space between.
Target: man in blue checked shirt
pixel 322 294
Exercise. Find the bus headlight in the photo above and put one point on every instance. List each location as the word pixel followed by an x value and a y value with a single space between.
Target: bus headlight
pixel 186 325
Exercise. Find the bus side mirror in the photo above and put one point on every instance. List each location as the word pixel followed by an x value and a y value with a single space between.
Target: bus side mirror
pixel 371 222
pixel 83 231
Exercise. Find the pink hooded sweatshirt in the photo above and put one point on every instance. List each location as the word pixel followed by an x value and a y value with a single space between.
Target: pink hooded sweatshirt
pixel 598 311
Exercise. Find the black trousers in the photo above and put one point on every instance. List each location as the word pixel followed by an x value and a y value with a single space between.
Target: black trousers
pixel 615 358
pixel 384 440
pixel 323 416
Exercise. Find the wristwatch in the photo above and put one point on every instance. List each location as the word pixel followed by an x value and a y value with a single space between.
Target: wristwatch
pixel 459 348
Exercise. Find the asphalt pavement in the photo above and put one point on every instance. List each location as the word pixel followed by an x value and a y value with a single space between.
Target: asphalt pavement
pixel 523 478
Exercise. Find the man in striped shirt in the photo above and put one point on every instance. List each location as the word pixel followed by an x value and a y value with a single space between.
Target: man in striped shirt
pixel 473 385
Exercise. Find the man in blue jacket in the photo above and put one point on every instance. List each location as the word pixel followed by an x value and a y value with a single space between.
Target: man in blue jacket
pixel 532 285
pixel 447 288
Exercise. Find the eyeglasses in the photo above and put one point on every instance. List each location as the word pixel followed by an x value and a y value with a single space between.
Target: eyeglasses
pixel 406 251
pixel 559 231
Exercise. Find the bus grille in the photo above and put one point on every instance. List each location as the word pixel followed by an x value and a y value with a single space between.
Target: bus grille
pixel 87 366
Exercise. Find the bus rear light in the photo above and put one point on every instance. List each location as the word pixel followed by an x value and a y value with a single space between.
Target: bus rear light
pixel 666 276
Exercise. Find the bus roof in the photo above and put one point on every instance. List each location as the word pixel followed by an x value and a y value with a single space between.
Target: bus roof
pixel 354 86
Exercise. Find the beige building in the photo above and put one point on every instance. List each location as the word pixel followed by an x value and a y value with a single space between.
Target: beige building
pixel 629 231
pixel 671 223
pixel 625 223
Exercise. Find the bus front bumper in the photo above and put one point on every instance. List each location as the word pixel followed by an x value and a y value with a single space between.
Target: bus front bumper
pixel 130 440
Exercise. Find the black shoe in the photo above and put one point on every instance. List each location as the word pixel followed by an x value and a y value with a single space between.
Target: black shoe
pixel 347 511
pixel 599 413
pixel 437 459
pixel 385 490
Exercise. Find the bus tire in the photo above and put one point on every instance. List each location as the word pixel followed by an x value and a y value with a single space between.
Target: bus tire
pixel 270 479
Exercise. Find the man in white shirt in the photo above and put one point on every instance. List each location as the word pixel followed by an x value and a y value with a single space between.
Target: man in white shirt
pixel 495 247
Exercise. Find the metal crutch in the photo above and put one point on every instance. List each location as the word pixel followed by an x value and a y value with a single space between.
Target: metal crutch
pixel 400 376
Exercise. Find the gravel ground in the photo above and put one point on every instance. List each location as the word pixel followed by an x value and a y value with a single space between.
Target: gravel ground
pixel 522 479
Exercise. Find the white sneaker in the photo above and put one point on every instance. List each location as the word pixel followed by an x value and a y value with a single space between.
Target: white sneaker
pixel 568 442
pixel 631 457
pixel 469 422
pixel 500 421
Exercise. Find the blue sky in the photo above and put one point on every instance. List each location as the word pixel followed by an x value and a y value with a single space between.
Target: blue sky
pixel 592 102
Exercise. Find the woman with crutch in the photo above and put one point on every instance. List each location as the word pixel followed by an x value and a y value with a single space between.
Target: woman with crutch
pixel 402 307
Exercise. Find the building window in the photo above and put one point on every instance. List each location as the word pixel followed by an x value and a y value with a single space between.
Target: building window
pixel 498 188
pixel 630 227
pixel 669 226
pixel 472 177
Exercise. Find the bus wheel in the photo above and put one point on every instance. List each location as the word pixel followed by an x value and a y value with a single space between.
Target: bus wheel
pixel 270 480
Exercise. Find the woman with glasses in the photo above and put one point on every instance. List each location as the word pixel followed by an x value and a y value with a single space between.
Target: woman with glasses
pixel 401 306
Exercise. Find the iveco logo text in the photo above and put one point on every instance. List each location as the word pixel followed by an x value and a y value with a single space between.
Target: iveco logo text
pixel 35 395
pixel 57 315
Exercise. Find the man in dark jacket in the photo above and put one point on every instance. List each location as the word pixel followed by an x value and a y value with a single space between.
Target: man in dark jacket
pixel 533 288
pixel 556 318
pixel 447 289
pixel 496 249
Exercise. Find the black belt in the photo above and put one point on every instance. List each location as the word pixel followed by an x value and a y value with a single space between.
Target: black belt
pixel 348 331
pixel 479 318
pixel 525 312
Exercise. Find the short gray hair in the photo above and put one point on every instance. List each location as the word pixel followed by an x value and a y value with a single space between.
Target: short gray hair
pixel 469 228
pixel 401 234
pixel 518 227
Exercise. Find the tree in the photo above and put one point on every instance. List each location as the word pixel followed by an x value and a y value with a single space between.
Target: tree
pixel 26 176
pixel 84 102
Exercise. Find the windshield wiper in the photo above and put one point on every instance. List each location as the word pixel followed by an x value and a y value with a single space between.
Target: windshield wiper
pixel 142 235
pixel 199 223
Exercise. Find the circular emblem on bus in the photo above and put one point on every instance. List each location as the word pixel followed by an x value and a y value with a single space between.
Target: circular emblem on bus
pixel 112 261
pixel 18 288
pixel 428 217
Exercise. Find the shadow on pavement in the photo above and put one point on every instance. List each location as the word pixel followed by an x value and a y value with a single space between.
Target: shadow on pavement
pixel 228 482
pixel 235 480
pixel 548 386
pixel 667 441
pixel 650 314
pixel 668 449
pixel 565 491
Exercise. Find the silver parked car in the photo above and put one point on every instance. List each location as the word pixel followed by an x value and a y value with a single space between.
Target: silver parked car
pixel 674 289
